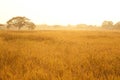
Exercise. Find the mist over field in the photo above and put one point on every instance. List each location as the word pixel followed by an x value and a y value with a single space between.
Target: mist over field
pixel 30 51
pixel 59 40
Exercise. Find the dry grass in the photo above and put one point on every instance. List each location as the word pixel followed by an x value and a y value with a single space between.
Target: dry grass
pixel 59 55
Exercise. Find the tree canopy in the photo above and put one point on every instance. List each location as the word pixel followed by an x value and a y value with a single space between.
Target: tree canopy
pixel 107 24
pixel 117 25
pixel 20 22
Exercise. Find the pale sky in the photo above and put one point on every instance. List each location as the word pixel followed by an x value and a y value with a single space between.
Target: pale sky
pixel 61 11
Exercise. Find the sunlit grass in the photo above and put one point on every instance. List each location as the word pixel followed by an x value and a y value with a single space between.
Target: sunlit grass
pixel 59 55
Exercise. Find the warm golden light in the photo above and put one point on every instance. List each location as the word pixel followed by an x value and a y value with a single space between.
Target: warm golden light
pixel 61 11
pixel 59 40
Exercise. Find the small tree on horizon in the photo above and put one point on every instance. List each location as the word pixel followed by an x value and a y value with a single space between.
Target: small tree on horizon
pixel 107 24
pixel 117 25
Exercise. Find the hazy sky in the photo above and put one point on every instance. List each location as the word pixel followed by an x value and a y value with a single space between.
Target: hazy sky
pixel 61 11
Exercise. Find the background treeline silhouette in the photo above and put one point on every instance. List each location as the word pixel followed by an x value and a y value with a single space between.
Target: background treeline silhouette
pixel 111 25
pixel 23 22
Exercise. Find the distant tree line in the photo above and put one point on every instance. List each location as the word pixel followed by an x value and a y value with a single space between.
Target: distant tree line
pixel 110 25
pixel 20 22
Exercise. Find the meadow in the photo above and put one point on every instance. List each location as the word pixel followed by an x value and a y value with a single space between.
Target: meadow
pixel 60 55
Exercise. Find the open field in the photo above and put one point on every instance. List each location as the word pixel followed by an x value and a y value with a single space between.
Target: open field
pixel 60 55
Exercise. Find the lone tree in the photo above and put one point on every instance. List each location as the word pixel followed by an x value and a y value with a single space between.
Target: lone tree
pixel 20 22
pixel 107 24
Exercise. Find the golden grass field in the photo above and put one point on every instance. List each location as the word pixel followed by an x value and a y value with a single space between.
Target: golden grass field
pixel 60 55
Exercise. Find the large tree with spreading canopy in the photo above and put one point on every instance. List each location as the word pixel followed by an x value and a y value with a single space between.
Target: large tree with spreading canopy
pixel 20 22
